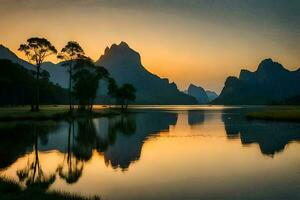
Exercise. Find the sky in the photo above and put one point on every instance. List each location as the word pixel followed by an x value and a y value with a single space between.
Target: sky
pixel 192 41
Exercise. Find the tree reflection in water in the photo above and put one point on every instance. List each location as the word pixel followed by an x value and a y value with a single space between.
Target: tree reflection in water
pixel 71 168
pixel 32 175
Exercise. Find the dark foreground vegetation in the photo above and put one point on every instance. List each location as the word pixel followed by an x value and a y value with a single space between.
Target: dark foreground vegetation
pixel 289 113
pixel 17 83
pixel 10 190
pixel 23 87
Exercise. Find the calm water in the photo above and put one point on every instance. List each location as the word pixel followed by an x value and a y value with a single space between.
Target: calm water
pixel 158 153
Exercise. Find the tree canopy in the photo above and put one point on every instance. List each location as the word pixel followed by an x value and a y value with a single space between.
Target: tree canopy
pixel 37 49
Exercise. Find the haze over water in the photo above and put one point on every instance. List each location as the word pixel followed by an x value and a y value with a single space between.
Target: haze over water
pixel 171 152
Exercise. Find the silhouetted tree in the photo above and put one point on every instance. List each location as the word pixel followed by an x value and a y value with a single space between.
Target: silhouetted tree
pixel 112 88
pixel 70 53
pixel 37 50
pixel 125 94
pixel 86 81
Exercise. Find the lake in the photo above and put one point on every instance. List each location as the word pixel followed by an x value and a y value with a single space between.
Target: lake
pixel 158 152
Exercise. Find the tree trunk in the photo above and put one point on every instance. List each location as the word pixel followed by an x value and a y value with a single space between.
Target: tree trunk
pixel 37 106
pixel 70 86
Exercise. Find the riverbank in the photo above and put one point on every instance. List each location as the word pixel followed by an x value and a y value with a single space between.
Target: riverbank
pixel 10 190
pixel 51 113
pixel 273 113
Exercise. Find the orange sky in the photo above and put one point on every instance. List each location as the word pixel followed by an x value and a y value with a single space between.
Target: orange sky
pixel 186 43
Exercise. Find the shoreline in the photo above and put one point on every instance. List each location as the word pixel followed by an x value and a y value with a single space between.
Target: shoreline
pixel 61 112
pixel 52 113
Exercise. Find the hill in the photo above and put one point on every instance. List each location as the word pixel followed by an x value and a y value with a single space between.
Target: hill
pixel 271 83
pixel 124 65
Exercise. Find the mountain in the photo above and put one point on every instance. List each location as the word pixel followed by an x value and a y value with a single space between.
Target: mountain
pixel 270 83
pixel 124 65
pixel 211 95
pixel 199 94
pixel 5 53
pixel 58 74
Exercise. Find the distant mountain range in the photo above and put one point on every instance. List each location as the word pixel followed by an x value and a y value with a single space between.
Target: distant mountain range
pixel 124 65
pixel 202 96
pixel 271 83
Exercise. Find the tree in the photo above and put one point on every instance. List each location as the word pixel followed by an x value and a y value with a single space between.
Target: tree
pixel 37 50
pixel 17 86
pixel 112 88
pixel 86 81
pixel 70 54
pixel 125 94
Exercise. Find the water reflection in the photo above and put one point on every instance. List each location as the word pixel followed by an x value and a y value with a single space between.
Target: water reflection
pixel 20 138
pixel 272 137
pixel 119 139
pixel 71 153
pixel 32 174
pixel 71 168
pixel 195 117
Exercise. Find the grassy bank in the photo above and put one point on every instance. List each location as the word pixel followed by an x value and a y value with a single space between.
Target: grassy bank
pixel 10 190
pixel 49 113
pixel 288 113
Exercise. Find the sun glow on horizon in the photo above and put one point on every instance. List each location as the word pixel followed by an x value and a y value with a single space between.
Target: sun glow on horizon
pixel 182 45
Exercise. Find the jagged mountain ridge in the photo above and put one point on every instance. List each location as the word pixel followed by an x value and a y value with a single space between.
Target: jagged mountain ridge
pixel 124 65
pixel 270 83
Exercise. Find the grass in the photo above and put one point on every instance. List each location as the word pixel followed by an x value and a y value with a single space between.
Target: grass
pixel 49 113
pixel 280 113
pixel 10 190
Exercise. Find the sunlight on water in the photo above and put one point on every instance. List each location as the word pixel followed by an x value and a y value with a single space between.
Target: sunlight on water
pixel 171 153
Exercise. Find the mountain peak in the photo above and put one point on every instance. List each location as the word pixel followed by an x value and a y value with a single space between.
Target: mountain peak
pixel 194 86
pixel 124 44
pixel 269 66
pixel 121 52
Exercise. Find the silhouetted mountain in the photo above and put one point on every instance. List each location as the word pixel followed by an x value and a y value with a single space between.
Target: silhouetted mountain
pixel 58 74
pixel 211 95
pixel 270 83
pixel 124 64
pixel 5 53
pixel 199 94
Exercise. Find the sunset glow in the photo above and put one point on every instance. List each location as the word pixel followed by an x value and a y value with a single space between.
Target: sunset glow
pixel 192 42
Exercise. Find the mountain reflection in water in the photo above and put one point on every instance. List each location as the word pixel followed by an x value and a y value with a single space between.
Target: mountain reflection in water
pixel 51 152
